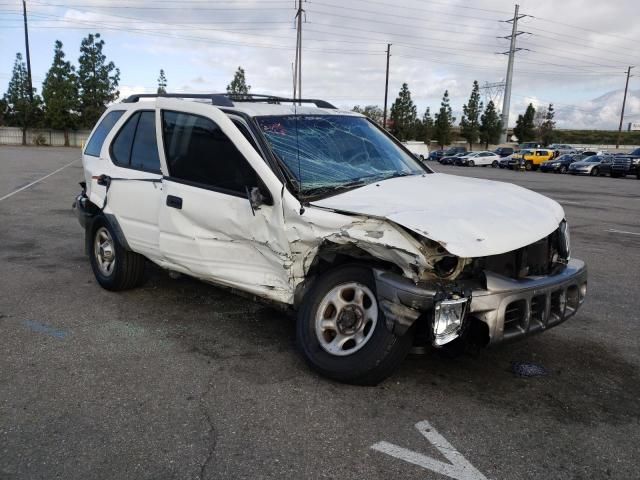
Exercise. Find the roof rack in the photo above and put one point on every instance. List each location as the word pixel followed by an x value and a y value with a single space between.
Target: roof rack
pixel 227 99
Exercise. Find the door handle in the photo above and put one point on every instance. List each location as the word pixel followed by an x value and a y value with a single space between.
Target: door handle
pixel 174 202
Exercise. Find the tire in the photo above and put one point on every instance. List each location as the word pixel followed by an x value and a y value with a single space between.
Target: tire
pixel 528 166
pixel 126 269
pixel 471 163
pixel 563 169
pixel 595 171
pixel 494 164
pixel 378 353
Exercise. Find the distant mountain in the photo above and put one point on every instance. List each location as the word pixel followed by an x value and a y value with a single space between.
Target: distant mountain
pixel 602 113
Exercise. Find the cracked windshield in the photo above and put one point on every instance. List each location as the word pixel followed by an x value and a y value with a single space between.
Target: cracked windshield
pixel 329 152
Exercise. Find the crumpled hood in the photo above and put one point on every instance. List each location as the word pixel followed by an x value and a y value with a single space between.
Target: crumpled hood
pixel 469 217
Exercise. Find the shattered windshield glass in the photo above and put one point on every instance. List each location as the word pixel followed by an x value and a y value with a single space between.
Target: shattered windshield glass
pixel 333 152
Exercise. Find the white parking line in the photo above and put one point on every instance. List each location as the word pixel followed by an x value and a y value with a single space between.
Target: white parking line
pixel 38 181
pixel 459 467
pixel 613 230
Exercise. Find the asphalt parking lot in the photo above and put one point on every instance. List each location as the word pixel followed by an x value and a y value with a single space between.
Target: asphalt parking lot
pixel 181 380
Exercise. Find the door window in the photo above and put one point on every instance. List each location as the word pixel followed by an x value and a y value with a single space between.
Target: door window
pixel 199 152
pixel 135 146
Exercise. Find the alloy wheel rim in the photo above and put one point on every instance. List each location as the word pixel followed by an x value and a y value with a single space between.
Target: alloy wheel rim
pixel 346 318
pixel 104 251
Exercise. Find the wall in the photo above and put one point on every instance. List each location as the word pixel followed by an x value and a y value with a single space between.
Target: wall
pixel 13 136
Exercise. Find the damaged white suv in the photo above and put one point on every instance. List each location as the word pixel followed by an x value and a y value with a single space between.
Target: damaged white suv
pixel 322 212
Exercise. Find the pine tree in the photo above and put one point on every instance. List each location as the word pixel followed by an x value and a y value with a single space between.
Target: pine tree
pixel 427 126
pixel 469 124
pixel 97 80
pixel 525 127
pixel 443 122
pixel 403 115
pixel 162 82
pixel 547 127
pixel 238 85
pixel 21 108
pixel 60 94
pixel 490 125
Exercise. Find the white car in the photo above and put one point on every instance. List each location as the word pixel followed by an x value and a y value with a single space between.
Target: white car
pixel 419 149
pixel 320 212
pixel 479 158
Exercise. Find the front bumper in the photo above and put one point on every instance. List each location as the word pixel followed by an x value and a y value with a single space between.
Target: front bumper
pixel 510 308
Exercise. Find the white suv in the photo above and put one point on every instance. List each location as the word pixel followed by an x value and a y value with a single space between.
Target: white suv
pixel 321 212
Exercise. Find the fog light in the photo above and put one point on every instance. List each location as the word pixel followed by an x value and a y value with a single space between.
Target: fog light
pixel 448 318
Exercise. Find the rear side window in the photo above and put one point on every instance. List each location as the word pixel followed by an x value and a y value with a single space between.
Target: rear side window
pixel 97 139
pixel 135 146
pixel 198 151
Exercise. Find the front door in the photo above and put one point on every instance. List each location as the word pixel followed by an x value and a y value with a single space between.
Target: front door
pixel 208 228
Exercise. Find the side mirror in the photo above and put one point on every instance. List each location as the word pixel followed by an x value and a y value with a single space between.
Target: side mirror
pixel 255 197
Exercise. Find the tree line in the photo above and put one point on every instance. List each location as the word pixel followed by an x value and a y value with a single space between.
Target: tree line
pixel 479 123
pixel 71 97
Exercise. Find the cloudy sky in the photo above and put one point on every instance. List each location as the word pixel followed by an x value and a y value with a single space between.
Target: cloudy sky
pixel 576 51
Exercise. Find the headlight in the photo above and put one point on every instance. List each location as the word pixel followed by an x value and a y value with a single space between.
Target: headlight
pixel 448 319
pixel 564 246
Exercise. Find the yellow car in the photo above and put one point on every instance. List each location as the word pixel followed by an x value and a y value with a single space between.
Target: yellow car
pixel 533 158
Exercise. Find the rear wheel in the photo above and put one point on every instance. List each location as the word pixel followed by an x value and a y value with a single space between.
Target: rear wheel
pixel 494 164
pixel 471 163
pixel 563 169
pixel 114 267
pixel 341 329
pixel 528 165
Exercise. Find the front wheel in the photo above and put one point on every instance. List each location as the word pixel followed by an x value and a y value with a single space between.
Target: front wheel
pixel 471 163
pixel 594 172
pixel 494 164
pixel 563 169
pixel 528 166
pixel 341 329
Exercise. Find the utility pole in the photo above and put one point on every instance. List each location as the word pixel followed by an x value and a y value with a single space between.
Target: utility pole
pixel 624 101
pixel 506 102
pixel 26 42
pixel 386 89
pixel 297 71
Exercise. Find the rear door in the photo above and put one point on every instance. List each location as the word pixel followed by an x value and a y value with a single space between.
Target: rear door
pixel 135 191
pixel 208 228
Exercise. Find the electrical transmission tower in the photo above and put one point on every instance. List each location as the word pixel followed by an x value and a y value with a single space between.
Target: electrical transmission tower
pixel 492 92
pixel 506 103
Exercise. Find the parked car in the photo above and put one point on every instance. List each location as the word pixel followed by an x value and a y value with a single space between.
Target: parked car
pixel 504 162
pixel 419 149
pixel 560 164
pixel 504 151
pixel 529 145
pixel 623 165
pixel 436 155
pixel 533 158
pixel 451 151
pixel 478 158
pixel 450 160
pixel 590 165
pixel 326 215
pixel 561 149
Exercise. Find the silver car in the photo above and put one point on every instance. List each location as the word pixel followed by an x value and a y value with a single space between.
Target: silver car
pixel 590 165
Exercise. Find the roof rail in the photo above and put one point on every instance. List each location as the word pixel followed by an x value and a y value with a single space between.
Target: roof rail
pixel 227 99
pixel 219 100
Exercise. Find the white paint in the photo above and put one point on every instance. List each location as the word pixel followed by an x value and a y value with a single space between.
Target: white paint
pixel 38 181
pixel 613 230
pixel 468 216
pixel 459 467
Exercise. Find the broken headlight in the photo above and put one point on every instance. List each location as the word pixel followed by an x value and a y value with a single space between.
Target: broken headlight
pixel 448 319
pixel 564 245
